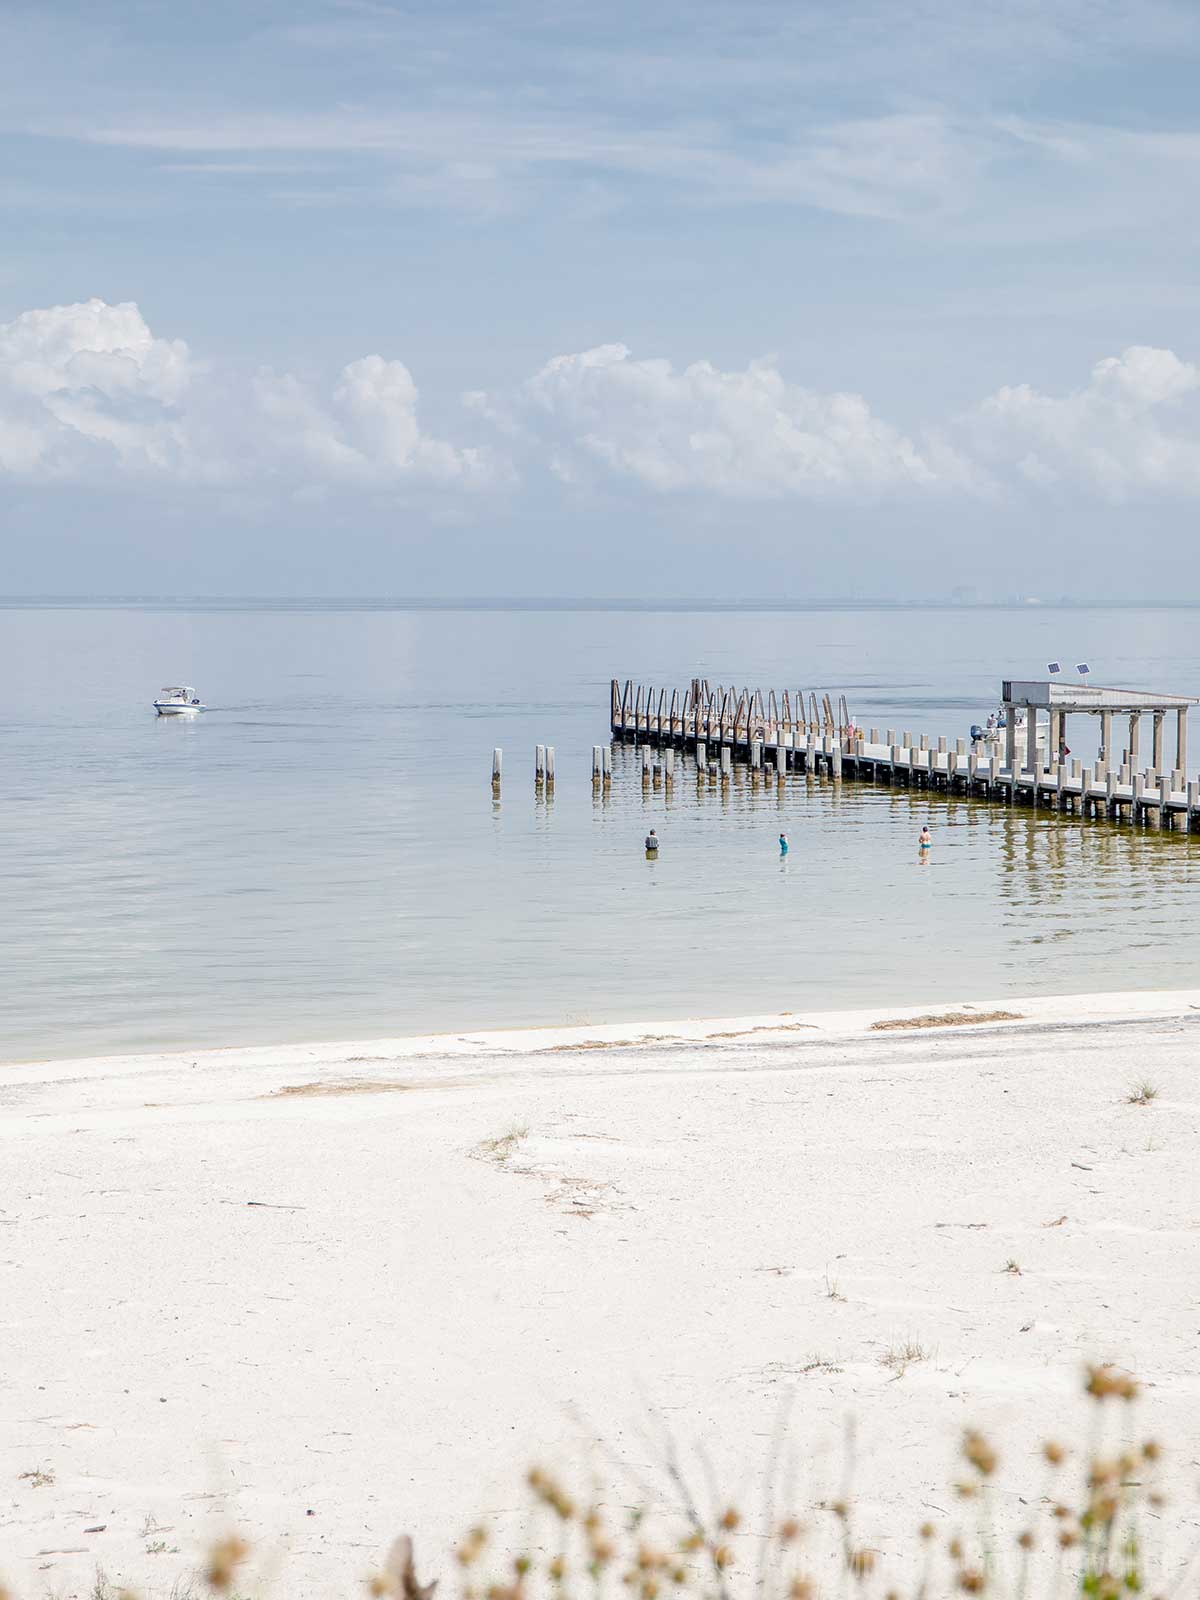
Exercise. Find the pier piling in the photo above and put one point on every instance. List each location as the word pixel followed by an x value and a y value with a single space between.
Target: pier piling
pixel 773 733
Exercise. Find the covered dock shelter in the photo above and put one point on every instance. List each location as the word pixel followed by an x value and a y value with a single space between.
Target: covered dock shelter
pixel 1062 700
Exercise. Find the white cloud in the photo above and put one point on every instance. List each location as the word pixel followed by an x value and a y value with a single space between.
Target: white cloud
pixel 746 433
pixel 87 392
pixel 1130 429
pixel 88 384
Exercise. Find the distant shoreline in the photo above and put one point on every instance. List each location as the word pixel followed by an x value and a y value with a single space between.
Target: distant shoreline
pixel 301 603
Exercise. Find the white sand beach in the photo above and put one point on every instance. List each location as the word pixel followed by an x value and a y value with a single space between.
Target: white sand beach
pixel 334 1293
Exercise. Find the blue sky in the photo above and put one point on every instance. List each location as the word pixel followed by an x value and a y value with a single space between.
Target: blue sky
pixel 349 296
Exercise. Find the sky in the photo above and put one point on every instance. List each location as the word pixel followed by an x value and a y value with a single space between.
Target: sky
pixel 357 297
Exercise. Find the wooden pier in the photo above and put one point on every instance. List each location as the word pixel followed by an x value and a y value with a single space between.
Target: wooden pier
pixel 797 732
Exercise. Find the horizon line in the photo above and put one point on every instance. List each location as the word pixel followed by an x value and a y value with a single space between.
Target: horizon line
pixel 586 602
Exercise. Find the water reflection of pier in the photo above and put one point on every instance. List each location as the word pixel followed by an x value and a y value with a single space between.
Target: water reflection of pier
pixel 778 733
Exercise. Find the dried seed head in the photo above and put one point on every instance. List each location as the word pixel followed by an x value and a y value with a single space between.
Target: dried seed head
pixel 651 1560
pixel 558 1569
pixel 801 1589
pixel 1054 1452
pixel 693 1542
pixel 1026 1540
pixel 965 1490
pixel 679 1574
pixel 225 1557
pixel 927 1530
pixel 1067 1537
pixel 1151 1450
pixel 955 1548
pixel 1101 1382
pixel 521 1565
pixel 722 1557
pixel 790 1529
pixel 861 1563
pixel 972 1580
pixel 1102 1472
pixel 840 1509
pixel 381 1584
pixel 979 1453
pixel 1108 1382
pixel 730 1519
pixel 471 1548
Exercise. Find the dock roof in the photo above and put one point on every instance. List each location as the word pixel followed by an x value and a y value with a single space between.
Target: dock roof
pixel 1056 696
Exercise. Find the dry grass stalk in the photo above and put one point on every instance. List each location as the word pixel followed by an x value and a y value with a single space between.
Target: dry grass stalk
pixel 901 1356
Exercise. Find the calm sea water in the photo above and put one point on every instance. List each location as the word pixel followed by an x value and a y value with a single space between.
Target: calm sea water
pixel 319 856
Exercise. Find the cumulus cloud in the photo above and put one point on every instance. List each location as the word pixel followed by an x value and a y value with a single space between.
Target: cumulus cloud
pixel 747 433
pixel 88 392
pixel 1134 427
pixel 86 384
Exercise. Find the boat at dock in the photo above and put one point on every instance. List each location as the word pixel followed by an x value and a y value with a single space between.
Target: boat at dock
pixel 178 701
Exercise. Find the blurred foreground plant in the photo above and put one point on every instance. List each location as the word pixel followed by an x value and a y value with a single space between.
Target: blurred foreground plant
pixel 1084 1540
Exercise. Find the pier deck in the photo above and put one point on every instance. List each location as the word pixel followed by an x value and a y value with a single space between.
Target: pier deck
pixel 773 735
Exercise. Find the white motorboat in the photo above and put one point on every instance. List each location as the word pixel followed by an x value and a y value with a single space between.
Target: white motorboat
pixel 178 702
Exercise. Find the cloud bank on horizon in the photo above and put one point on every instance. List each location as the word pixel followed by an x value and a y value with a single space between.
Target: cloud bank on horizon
pixel 88 393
